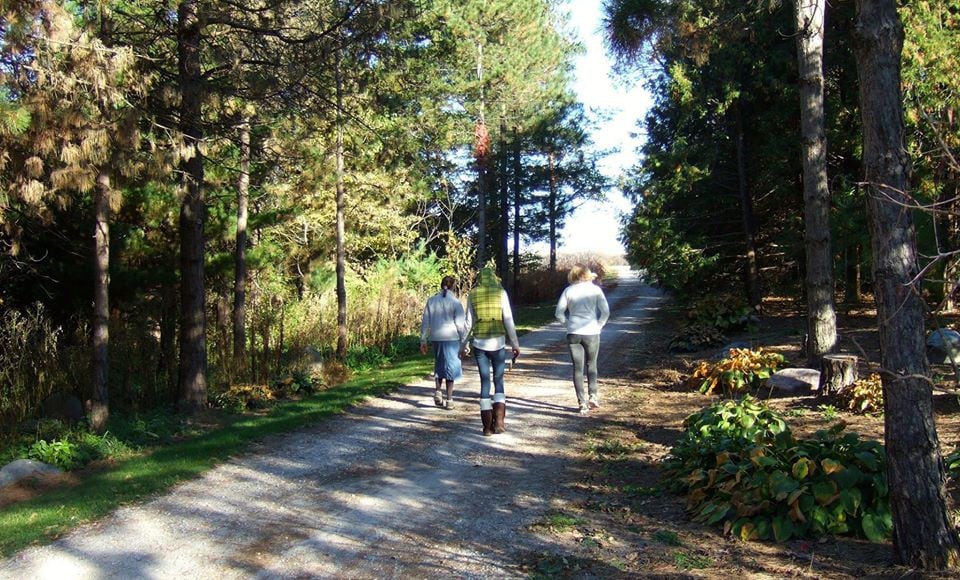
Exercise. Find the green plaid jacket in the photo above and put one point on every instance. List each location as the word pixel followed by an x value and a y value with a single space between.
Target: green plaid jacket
pixel 487 312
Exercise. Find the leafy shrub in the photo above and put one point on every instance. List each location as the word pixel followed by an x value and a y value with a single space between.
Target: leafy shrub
pixel 739 465
pixel 723 312
pixel 696 337
pixel 60 452
pixel 297 383
pixel 864 396
pixel 742 370
pixel 361 357
pixel 239 398
pixel 93 446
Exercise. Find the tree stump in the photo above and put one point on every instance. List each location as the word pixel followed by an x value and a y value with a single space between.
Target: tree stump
pixel 837 372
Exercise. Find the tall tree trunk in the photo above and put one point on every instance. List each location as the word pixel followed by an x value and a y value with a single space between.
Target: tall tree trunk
pixel 341 225
pixel 923 535
pixel 100 402
pixel 240 254
pixel 552 169
pixel 193 348
pixel 516 212
pixel 821 313
pixel 482 151
pixel 503 203
pixel 754 296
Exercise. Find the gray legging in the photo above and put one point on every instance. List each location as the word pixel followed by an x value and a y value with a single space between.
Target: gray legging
pixel 584 349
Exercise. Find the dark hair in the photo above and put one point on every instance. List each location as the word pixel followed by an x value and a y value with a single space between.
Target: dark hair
pixel 447 283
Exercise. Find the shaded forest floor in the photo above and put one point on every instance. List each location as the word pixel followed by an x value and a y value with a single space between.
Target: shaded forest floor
pixel 617 522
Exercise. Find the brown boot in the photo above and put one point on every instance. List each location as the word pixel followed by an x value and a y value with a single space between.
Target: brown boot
pixel 499 412
pixel 487 418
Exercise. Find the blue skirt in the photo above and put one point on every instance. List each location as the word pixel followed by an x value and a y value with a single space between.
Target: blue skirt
pixel 446 362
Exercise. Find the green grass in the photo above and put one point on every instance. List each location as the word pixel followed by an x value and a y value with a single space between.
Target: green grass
pixel 667 537
pixel 534 316
pixel 610 449
pixel 686 561
pixel 55 512
pixel 559 522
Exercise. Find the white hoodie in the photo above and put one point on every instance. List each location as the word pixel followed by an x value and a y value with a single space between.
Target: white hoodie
pixel 443 319
pixel 583 308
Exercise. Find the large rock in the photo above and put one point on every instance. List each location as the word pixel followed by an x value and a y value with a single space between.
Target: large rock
pixel 942 344
pixel 23 468
pixel 63 406
pixel 795 381
pixel 314 360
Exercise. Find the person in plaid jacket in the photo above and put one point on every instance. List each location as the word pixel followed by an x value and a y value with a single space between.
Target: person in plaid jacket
pixel 490 330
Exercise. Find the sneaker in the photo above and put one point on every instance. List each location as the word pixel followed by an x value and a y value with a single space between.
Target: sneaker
pixel 594 402
pixel 584 410
pixel 438 399
pixel 448 404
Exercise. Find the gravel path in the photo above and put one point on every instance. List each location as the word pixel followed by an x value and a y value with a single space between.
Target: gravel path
pixel 393 488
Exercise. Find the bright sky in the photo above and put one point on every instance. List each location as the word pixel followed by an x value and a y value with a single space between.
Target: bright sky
pixel 594 227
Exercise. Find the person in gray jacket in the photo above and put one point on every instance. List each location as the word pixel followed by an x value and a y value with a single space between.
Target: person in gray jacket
pixel 583 310
pixel 444 325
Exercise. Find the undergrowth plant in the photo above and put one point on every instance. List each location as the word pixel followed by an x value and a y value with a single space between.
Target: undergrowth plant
pixel 240 398
pixel 742 370
pixel 740 466
pixel 723 312
pixel 77 448
pixel 696 336
pixel 864 396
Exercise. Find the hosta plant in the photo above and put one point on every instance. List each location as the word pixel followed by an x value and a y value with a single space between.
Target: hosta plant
pixel 61 453
pixel 863 396
pixel 743 369
pixel 740 467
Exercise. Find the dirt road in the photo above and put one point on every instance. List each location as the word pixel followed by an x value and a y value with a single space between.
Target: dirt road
pixel 393 488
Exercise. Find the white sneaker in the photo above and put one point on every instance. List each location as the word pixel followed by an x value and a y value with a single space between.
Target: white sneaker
pixel 594 402
pixel 584 410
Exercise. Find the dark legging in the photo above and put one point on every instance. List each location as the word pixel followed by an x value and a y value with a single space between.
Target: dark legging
pixel 584 349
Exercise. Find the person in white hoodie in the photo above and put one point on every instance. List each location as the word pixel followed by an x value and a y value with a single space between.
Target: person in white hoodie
pixel 444 325
pixel 583 310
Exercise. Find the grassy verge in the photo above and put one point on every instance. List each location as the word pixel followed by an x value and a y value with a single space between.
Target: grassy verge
pixel 142 476
pixel 533 316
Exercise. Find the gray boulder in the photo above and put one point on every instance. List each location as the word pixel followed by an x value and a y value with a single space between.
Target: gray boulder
pixel 314 360
pixel 941 344
pixel 23 468
pixel 63 406
pixel 797 381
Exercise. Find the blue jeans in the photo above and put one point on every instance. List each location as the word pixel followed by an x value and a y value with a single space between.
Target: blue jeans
pixel 485 359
